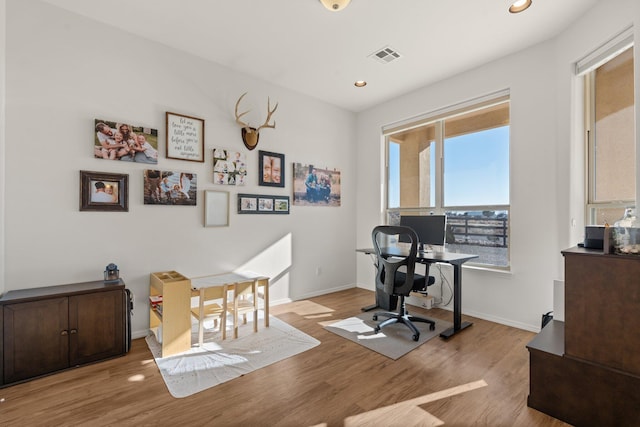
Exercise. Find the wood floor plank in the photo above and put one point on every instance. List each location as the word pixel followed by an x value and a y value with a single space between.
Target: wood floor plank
pixel 334 383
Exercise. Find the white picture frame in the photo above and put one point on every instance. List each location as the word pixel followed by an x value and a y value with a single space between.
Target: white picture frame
pixel 216 208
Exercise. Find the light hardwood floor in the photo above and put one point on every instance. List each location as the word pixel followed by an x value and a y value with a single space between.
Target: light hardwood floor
pixel 338 383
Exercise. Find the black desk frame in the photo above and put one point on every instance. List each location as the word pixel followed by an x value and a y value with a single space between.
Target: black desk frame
pixel 454 259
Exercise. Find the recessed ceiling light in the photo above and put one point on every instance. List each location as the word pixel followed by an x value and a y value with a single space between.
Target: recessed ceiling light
pixel 335 5
pixel 360 83
pixel 520 5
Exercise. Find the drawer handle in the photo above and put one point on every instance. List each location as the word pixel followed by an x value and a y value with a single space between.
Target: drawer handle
pixel 65 332
pixel 74 331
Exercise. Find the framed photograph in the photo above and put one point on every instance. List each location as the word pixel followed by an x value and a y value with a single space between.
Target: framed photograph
pixel 216 208
pixel 185 137
pixel 313 186
pixel 247 203
pixel 281 204
pixel 101 191
pixel 261 204
pixel 265 204
pixel 229 167
pixel 271 169
pixel 126 142
pixel 170 188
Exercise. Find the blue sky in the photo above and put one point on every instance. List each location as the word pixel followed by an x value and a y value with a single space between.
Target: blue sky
pixel 476 169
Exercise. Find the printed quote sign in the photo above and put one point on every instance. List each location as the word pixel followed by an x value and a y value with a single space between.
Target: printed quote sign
pixel 185 137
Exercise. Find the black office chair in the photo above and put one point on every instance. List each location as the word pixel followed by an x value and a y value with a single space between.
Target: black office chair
pixel 399 283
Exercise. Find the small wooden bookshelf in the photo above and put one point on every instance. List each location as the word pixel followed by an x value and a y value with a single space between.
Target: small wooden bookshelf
pixel 170 319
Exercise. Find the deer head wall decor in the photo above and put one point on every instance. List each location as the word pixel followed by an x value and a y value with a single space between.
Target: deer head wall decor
pixel 250 135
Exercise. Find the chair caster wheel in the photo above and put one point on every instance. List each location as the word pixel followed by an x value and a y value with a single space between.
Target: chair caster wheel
pixel 432 327
pixel 375 317
pixel 376 330
pixel 416 337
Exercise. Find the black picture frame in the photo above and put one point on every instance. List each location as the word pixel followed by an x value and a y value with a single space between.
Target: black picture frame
pixel 95 188
pixel 271 169
pixel 263 204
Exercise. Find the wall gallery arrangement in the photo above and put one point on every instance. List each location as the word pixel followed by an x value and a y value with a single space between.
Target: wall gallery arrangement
pixel 102 191
pixel 122 141
pixel 313 186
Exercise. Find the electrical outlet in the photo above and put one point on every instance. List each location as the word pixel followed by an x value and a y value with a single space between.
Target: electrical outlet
pixel 318 271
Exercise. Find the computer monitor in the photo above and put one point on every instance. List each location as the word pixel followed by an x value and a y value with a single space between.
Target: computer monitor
pixel 429 228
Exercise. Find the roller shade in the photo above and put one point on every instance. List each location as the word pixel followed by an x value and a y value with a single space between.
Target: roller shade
pixel 608 50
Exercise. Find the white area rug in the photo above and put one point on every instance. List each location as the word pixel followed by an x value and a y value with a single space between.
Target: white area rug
pixel 393 341
pixel 219 361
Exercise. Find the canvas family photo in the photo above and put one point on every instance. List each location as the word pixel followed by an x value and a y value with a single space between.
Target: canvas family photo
pixel 229 167
pixel 122 141
pixel 170 188
pixel 313 186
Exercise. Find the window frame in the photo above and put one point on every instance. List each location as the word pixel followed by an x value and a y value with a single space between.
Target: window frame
pixel 586 68
pixel 438 118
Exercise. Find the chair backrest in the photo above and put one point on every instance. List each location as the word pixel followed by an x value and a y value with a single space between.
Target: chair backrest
pixel 213 292
pixel 245 289
pixel 388 266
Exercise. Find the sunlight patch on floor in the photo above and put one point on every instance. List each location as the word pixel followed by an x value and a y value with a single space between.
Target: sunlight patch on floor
pixel 409 413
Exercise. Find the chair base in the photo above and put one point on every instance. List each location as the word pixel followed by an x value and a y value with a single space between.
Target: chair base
pixel 402 317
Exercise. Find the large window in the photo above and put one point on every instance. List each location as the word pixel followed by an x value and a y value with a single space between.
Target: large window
pixel 456 162
pixel 610 130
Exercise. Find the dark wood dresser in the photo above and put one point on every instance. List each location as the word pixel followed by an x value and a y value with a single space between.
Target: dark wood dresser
pixel 586 370
pixel 48 329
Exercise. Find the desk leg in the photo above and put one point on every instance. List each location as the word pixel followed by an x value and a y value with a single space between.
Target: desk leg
pixel 458 324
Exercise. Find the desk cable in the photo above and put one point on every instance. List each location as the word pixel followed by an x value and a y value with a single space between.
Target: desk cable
pixel 443 280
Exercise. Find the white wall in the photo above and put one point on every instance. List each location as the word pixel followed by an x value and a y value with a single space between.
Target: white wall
pixel 63 71
pixel 546 163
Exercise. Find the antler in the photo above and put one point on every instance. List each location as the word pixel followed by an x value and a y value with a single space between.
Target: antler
pixel 266 122
pixel 241 123
pixel 270 112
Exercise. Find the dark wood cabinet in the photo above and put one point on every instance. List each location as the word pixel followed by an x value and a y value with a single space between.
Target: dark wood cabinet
pixel 585 370
pixel 49 329
pixel 602 313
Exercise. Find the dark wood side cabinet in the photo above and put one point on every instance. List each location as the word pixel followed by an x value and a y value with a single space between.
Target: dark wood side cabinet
pixel 586 370
pixel 53 328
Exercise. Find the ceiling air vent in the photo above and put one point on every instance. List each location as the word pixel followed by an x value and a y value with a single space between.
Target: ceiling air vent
pixel 385 55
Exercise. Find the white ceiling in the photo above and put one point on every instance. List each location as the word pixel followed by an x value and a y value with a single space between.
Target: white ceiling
pixel 300 45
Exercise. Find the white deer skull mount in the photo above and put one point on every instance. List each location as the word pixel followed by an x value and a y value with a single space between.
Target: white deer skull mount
pixel 250 135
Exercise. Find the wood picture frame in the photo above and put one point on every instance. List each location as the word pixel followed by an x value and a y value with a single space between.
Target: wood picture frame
pixel 185 137
pixel 106 192
pixel 263 204
pixel 271 167
pixel 216 208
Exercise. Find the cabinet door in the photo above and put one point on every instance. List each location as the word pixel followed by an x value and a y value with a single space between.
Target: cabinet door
pixel 96 326
pixel 36 339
